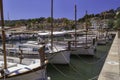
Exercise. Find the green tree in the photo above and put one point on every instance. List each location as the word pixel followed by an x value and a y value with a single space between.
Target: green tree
pixel 73 27
pixel 49 19
pixel 110 23
pixel 117 23
pixel 41 19
pixel 66 23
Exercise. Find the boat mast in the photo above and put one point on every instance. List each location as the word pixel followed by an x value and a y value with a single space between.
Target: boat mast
pixel 75 24
pixel 86 27
pixel 51 24
pixel 8 18
pixel 3 33
pixel 106 28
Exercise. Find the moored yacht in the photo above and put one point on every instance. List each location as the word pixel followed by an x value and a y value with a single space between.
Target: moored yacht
pixel 10 69
pixel 59 54
pixel 29 69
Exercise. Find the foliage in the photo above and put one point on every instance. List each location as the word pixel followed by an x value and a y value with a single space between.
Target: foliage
pixel 117 23
pixel 64 23
pixel 49 19
pixel 73 27
pixel 111 24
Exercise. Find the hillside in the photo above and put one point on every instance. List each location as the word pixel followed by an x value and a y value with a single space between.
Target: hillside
pixel 60 23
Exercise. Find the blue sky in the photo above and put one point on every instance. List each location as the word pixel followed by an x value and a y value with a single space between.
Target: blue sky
pixel 25 9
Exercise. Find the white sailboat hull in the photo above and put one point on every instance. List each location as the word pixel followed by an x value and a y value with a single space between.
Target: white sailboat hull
pixel 101 42
pixel 82 51
pixel 16 71
pixel 35 75
pixel 61 57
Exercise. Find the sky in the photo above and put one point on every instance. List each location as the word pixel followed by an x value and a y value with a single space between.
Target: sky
pixel 26 9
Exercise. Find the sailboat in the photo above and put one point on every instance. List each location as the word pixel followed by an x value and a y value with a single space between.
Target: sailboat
pixel 12 69
pixel 82 47
pixel 102 38
pixel 57 54
pixel 103 35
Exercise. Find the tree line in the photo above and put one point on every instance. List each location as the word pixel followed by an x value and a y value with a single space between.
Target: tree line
pixel 64 23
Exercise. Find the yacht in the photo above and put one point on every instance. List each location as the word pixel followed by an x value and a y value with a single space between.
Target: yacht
pixel 12 68
pixel 29 69
pixel 59 54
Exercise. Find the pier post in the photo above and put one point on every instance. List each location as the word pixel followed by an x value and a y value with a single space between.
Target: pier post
pixel 94 41
pixel 21 57
pixel 43 60
pixel 69 45
pixel 42 55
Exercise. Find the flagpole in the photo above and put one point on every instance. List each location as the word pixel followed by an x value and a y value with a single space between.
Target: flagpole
pixel 86 28
pixel 3 34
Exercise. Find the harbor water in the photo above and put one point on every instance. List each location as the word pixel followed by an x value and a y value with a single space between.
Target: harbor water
pixel 81 67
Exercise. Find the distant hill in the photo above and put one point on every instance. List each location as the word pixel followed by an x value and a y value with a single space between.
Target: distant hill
pixel 62 23
pixel 110 14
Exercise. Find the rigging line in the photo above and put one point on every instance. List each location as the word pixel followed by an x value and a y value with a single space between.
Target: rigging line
pixel 101 59
pixel 62 72
pixel 94 62
pixel 76 70
pixel 94 78
pixel 107 52
pixel 55 53
pixel 63 53
pixel 52 56
pixel 73 67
